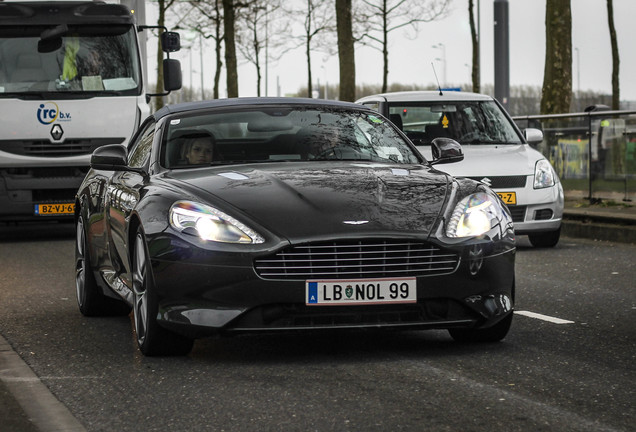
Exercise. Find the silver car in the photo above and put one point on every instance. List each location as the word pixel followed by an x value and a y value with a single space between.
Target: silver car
pixel 496 152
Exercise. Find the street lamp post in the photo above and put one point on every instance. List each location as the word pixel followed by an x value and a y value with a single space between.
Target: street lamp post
pixel 578 77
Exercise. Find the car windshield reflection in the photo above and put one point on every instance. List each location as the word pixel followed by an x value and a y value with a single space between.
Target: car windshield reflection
pixel 283 135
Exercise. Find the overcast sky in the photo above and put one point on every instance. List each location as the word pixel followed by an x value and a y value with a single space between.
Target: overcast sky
pixel 410 59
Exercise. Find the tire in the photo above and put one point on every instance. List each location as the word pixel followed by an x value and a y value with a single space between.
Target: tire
pixel 487 335
pixel 152 339
pixel 546 239
pixel 90 299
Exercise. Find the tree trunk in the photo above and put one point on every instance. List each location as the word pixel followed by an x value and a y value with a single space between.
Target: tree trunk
pixel 616 97
pixel 557 77
pixel 159 102
pixel 385 49
pixel 346 52
pixel 308 54
pixel 230 49
pixel 475 39
pixel 217 50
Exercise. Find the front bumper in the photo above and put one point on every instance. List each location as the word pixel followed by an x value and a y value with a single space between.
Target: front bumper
pixel 226 295
pixel 537 210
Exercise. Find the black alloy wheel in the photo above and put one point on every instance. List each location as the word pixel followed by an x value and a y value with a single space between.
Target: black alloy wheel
pixel 152 339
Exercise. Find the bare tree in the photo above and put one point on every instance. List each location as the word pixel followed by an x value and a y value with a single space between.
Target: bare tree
pixel 230 48
pixel 250 39
pixel 616 97
pixel 557 77
pixel 385 16
pixel 319 19
pixel 209 24
pixel 259 31
pixel 476 74
pixel 346 51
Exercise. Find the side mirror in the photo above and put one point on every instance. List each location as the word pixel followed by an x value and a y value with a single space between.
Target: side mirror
pixel 446 150
pixel 533 136
pixel 111 157
pixel 170 42
pixel 171 74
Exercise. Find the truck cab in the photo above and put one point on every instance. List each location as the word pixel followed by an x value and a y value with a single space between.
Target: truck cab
pixel 71 80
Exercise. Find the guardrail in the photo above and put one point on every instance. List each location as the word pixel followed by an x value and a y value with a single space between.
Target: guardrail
pixel 594 153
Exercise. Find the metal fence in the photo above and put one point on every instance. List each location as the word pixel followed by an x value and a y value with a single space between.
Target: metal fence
pixel 593 152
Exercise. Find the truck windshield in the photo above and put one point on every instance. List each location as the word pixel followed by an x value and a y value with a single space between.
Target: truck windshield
pixel 468 122
pixel 84 60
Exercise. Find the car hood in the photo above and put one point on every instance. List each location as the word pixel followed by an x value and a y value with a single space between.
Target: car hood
pixel 297 200
pixel 491 160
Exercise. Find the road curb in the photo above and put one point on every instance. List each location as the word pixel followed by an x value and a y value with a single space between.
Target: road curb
pixel 608 227
pixel 41 407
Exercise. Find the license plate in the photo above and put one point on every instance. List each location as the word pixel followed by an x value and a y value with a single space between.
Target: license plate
pixel 54 209
pixel 361 291
pixel 508 197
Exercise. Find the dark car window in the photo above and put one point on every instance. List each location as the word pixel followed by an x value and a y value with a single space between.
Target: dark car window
pixel 471 122
pixel 284 133
pixel 139 151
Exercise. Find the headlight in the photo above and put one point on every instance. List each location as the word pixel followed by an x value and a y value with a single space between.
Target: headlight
pixel 544 175
pixel 210 224
pixel 474 215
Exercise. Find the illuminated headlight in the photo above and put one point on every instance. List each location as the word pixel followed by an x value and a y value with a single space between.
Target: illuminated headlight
pixel 544 175
pixel 474 215
pixel 210 224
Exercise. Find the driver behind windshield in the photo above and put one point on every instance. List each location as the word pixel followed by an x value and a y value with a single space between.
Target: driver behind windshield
pixel 198 149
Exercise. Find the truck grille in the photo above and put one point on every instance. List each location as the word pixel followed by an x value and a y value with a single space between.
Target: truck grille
pixel 46 148
pixel 357 259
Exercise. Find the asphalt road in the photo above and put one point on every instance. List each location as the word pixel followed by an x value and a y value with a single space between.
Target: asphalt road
pixel 572 368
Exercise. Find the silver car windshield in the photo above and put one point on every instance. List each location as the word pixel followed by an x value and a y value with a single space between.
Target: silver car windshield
pixel 466 122
pixel 84 60
pixel 283 133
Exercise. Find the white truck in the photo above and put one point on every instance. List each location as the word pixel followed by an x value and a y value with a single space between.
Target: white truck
pixel 71 79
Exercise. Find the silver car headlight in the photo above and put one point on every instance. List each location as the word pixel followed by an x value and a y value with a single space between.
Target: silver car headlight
pixel 544 175
pixel 210 224
pixel 474 215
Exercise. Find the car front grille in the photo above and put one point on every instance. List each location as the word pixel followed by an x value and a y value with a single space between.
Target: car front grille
pixel 357 259
pixel 503 182
pixel 518 213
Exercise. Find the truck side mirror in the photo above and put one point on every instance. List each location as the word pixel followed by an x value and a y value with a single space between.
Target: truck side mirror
pixel 170 42
pixel 171 74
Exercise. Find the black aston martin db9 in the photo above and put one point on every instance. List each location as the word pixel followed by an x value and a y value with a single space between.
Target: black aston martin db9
pixel 277 214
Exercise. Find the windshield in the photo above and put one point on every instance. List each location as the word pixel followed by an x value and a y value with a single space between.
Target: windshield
pixel 282 134
pixel 466 122
pixel 84 60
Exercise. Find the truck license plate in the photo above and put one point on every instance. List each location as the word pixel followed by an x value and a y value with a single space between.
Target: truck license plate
pixel 54 209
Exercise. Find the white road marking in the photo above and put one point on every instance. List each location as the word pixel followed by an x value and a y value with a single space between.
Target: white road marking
pixel 543 317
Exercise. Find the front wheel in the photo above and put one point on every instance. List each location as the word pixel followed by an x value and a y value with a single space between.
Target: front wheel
pixel 490 334
pixel 152 339
pixel 546 239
